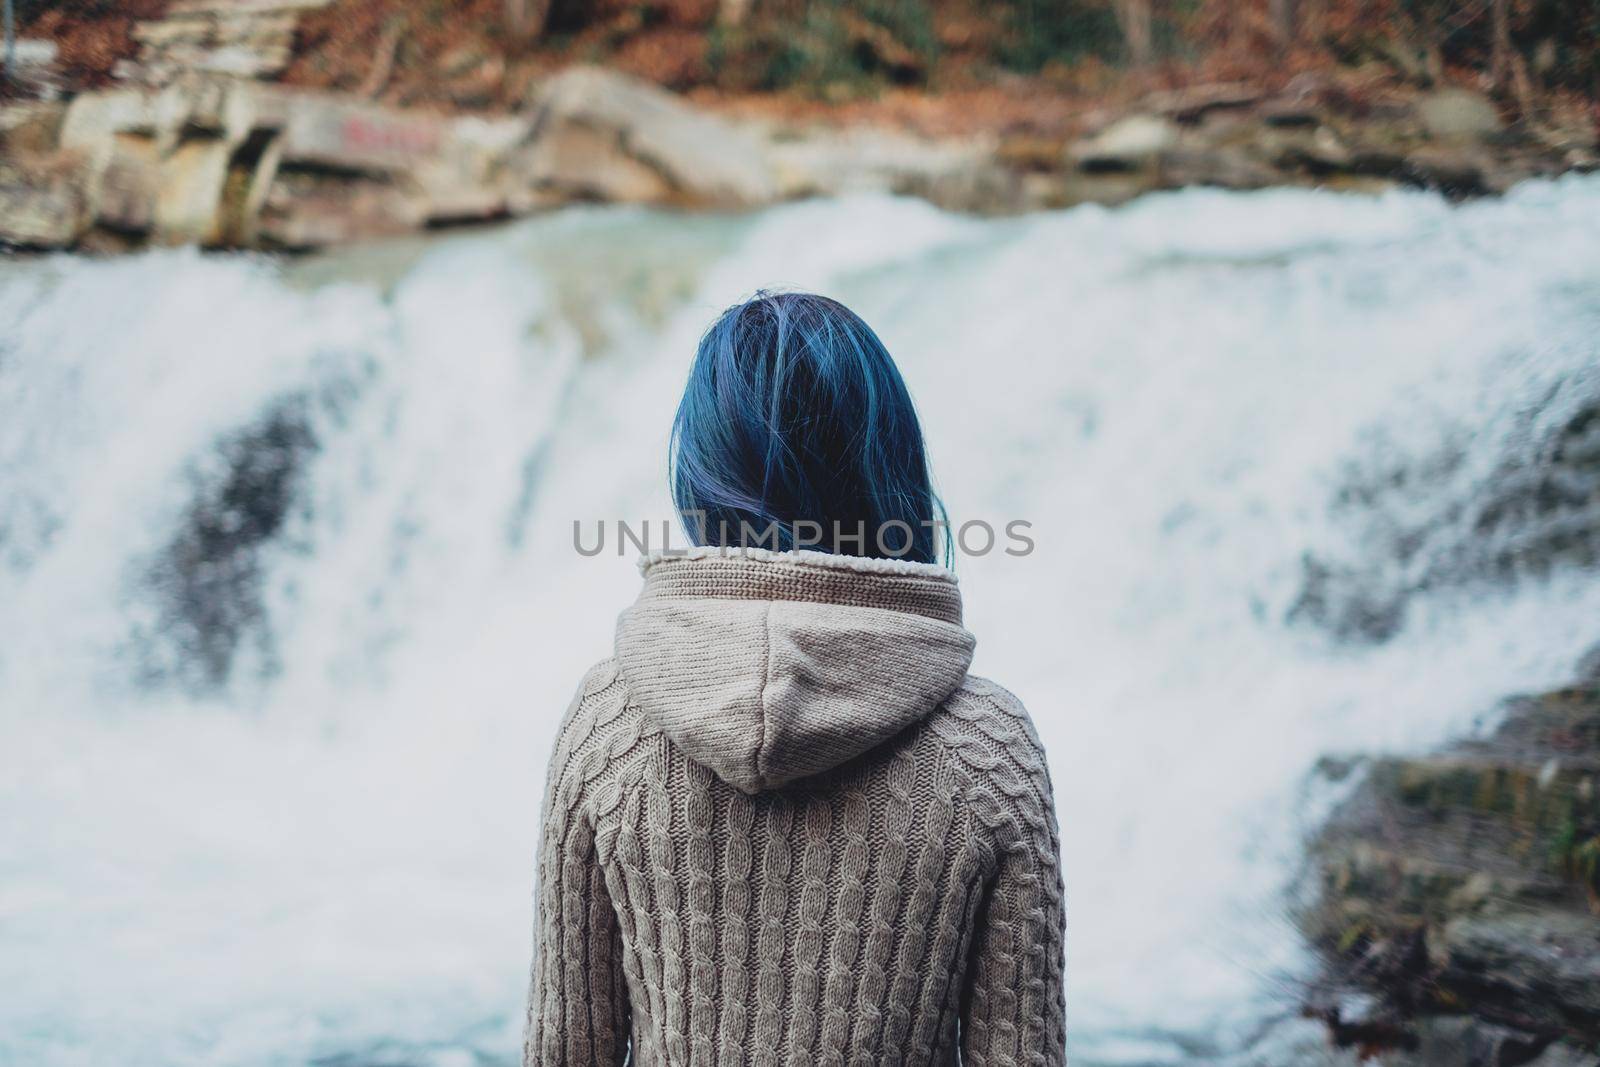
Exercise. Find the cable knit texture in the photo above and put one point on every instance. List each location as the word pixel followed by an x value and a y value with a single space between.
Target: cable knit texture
pixel 784 826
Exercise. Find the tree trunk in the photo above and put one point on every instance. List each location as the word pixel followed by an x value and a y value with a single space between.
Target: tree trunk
pixel 525 19
pixel 1134 16
pixel 1433 61
pixel 1500 55
pixel 383 59
pixel 1522 87
pixel 10 59
pixel 1311 20
pixel 1283 23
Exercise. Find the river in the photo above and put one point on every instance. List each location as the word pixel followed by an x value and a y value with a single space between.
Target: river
pixel 290 605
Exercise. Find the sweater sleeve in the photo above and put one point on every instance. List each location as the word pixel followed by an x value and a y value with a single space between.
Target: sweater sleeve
pixel 1014 1007
pixel 578 1010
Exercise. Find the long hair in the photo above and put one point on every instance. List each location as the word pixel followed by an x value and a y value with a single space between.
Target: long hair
pixel 796 430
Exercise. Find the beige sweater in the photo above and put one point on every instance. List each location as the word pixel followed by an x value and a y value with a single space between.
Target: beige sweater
pixel 784 826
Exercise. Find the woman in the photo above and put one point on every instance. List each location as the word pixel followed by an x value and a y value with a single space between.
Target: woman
pixel 783 824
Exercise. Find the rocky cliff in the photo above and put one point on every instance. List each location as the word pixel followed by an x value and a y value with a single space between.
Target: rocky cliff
pixel 198 139
pixel 1457 896
pixel 233 161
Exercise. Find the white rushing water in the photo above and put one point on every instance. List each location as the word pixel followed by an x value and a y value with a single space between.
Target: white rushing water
pixel 289 606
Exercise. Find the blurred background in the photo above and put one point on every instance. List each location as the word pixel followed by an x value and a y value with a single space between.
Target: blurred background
pixel 325 320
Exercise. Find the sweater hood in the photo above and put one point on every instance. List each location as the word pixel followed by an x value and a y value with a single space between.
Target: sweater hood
pixel 769 667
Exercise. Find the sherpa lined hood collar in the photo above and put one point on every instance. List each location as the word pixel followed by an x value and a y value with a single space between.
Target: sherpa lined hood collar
pixel 767 667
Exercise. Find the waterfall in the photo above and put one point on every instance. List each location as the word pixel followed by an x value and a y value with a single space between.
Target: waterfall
pixel 290 605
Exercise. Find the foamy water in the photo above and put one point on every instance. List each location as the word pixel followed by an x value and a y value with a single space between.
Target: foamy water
pixel 289 607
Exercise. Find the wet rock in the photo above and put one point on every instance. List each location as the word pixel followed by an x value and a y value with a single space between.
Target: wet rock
pixel 1538 967
pixel 1471 1042
pixel 1347 602
pixel 1457 896
pixel 1589 668
pixel 1433 522
pixel 210 577
pixel 1436 1041
pixel 1561 1054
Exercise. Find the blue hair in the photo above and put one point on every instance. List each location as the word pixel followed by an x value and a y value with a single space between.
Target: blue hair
pixel 796 414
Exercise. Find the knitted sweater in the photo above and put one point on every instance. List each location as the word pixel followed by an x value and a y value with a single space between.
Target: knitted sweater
pixel 783 826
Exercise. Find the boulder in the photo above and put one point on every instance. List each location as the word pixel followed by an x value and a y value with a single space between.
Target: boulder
pixel 31 126
pixel 306 211
pixel 43 203
pixel 1462 1041
pixel 129 186
pixel 195 163
pixel 701 158
pixel 157 161
pixel 1458 114
pixel 189 196
pixel 1130 143
pixel 590 164
pixel 330 131
pixel 1540 964
pixel 468 177
pixel 93 119
pixel 1456 895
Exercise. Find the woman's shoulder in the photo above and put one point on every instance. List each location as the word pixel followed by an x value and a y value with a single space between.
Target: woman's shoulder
pixel 596 726
pixel 995 712
pixel 989 733
pixel 599 688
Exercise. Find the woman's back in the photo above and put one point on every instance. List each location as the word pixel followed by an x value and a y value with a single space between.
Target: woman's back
pixel 784 825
